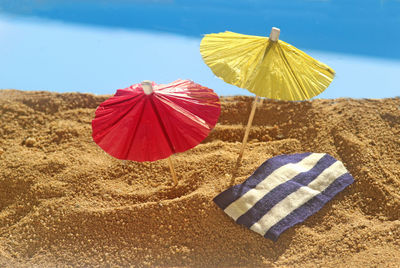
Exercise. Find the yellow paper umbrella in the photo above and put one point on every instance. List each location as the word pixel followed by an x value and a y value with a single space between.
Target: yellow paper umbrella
pixel 268 67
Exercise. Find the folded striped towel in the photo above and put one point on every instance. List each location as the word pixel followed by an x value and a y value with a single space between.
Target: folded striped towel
pixel 284 191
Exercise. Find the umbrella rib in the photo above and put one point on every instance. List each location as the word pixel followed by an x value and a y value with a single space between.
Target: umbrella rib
pixel 259 61
pixel 136 129
pixel 182 110
pixel 218 48
pixel 162 125
pixel 291 71
pixel 121 117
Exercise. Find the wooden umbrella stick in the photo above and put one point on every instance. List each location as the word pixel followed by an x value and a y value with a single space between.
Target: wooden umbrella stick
pixel 171 167
pixel 246 133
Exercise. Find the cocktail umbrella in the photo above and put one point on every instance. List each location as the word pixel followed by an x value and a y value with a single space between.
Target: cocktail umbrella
pixel 267 67
pixel 148 122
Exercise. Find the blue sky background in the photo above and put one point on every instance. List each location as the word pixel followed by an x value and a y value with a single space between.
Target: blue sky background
pixel 100 46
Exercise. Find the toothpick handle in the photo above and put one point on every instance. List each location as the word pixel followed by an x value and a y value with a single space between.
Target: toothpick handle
pixel 147 86
pixel 274 35
pixel 246 133
pixel 171 167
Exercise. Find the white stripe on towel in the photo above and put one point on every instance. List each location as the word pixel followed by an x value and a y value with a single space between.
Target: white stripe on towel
pixel 279 176
pixel 299 198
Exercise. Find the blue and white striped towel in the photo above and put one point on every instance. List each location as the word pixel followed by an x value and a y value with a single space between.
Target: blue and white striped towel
pixel 284 191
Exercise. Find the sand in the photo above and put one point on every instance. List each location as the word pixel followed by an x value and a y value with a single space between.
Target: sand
pixel 66 203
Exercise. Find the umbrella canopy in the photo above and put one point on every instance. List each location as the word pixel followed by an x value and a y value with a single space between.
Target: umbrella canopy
pixel 150 122
pixel 268 68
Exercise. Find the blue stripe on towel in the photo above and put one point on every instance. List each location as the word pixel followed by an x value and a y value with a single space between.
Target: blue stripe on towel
pixel 284 191
pixel 311 207
pixel 269 166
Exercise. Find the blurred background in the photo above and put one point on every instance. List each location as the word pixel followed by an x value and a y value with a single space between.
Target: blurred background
pixel 100 46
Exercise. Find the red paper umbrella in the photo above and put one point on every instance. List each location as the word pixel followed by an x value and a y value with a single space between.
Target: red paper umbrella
pixel 148 122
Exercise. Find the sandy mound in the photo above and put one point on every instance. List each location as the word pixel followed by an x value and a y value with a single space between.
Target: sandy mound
pixel 64 202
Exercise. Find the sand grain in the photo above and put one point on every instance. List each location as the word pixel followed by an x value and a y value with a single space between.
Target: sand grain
pixel 64 202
